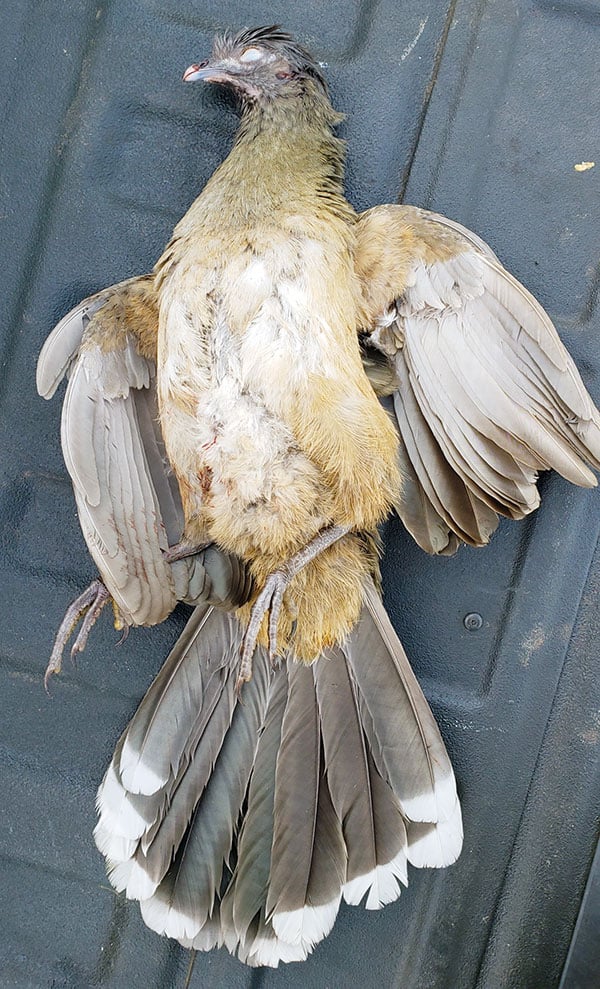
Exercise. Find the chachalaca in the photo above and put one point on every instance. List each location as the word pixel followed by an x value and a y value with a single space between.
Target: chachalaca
pixel 261 491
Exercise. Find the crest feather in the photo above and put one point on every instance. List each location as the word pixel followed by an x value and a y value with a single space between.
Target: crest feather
pixel 274 39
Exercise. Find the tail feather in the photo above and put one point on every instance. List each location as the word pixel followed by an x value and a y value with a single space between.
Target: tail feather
pixel 435 846
pixel 165 835
pixel 312 919
pixel 300 898
pixel 207 938
pixel 246 894
pixel 168 710
pixel 257 941
pixel 372 821
pixel 170 721
pixel 405 739
pixel 189 888
pixel 126 814
pixel 321 784
pixel 261 946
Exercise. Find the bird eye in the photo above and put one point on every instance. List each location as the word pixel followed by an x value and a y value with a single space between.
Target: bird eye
pixel 283 75
pixel 250 55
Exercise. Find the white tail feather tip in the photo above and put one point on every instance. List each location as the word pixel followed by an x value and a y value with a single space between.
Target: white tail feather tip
pixel 270 951
pixel 137 777
pixel 306 926
pixel 117 810
pixel 383 884
pixel 207 938
pixel 435 845
pixel 113 846
pixel 419 808
pixel 168 920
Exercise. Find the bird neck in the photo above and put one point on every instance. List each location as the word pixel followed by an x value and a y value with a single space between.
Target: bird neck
pixel 286 156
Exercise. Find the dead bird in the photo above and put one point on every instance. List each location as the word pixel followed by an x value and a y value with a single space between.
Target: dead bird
pixel 263 334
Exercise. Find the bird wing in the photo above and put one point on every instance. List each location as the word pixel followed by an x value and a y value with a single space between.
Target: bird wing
pixel 486 395
pixel 128 501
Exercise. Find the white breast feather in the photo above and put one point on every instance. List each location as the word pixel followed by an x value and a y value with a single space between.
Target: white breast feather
pixel 241 381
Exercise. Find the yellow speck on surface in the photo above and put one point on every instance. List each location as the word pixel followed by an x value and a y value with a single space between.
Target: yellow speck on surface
pixel 584 166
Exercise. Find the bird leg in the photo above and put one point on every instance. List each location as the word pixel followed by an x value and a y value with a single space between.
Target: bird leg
pixel 271 597
pixel 89 604
pixel 180 551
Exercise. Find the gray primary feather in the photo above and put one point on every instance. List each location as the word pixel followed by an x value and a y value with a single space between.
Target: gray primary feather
pixel 264 814
pixel 461 511
pixel 487 394
pixel 117 504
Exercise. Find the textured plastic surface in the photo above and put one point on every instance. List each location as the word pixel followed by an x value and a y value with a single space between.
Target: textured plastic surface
pixel 476 109
pixel 583 961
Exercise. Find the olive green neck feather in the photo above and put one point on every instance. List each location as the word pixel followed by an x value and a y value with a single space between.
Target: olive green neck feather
pixel 284 154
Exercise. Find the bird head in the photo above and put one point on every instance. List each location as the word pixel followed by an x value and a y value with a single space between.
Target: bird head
pixel 262 64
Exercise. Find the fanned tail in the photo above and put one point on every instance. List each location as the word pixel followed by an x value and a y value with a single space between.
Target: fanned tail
pixel 245 824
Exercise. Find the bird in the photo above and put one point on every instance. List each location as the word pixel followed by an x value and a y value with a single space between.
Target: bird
pixel 237 424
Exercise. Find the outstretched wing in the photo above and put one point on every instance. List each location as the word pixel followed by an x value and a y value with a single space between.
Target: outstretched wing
pixel 486 395
pixel 128 502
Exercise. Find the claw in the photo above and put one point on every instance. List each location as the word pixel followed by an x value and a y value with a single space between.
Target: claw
pixel 124 635
pixel 90 603
pixel 270 599
pixel 182 550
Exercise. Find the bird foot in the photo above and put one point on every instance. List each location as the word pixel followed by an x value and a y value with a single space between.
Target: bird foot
pixel 269 600
pixel 271 597
pixel 181 551
pixel 89 604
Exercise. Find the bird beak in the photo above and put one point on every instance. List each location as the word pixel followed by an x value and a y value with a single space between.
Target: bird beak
pixel 205 73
